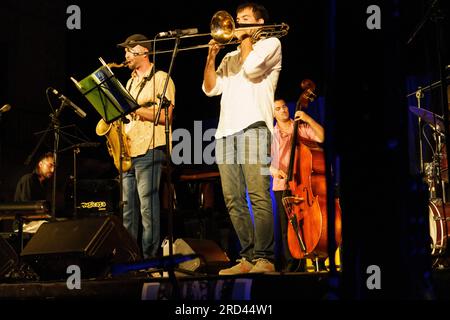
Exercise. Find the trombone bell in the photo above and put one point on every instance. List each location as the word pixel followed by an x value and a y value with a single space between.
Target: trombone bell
pixel 223 28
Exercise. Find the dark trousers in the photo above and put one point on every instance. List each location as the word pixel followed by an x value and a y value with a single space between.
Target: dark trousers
pixel 286 258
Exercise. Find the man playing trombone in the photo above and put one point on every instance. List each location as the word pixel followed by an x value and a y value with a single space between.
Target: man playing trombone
pixel 246 78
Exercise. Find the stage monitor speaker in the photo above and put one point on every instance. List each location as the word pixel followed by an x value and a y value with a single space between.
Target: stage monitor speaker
pixel 8 258
pixel 212 257
pixel 93 244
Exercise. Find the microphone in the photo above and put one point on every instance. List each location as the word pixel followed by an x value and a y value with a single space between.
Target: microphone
pixel 5 108
pixel 66 100
pixel 178 33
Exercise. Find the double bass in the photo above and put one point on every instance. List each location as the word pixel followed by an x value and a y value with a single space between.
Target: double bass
pixel 305 198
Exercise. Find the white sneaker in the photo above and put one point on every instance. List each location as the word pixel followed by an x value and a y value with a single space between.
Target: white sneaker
pixel 262 266
pixel 242 267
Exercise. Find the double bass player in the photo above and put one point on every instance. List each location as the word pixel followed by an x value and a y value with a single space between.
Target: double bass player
pixel 281 149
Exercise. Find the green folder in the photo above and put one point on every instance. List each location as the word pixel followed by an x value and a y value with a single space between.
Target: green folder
pixel 108 96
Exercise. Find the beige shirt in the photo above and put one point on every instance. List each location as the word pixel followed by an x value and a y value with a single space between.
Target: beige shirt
pixel 144 135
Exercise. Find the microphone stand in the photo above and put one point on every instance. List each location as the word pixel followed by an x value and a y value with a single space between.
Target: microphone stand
pixel 119 129
pixel 437 165
pixel 76 151
pixel 56 128
pixel 419 96
pixel 423 21
pixel 164 103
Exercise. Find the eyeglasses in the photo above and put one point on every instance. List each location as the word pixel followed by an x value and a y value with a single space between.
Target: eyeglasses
pixel 135 53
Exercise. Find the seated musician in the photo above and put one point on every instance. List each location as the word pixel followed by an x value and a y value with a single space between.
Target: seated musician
pixel 281 149
pixel 35 186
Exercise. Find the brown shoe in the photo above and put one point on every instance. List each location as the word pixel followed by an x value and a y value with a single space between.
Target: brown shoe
pixel 262 266
pixel 242 267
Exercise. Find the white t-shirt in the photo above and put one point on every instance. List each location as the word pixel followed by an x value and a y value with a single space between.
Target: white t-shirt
pixel 247 89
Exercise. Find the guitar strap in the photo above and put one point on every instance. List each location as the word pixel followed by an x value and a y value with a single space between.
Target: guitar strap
pixel 143 83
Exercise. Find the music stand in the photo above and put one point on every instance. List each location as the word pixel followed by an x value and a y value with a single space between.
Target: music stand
pixel 106 94
pixel 112 101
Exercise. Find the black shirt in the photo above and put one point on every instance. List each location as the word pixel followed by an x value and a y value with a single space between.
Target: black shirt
pixel 30 189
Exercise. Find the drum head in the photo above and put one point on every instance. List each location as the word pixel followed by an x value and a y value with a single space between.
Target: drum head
pixel 433 227
pixel 438 228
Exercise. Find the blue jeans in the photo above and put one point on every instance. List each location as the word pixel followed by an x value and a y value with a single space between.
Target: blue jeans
pixel 141 193
pixel 243 161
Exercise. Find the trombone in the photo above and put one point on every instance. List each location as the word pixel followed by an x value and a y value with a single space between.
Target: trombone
pixel 223 30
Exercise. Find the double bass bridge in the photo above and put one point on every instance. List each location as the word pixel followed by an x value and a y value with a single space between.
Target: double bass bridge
pixel 289 203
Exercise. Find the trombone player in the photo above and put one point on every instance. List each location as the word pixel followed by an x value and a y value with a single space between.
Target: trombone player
pixel 246 78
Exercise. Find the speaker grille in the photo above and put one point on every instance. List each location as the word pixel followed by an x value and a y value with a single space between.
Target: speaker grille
pixel 91 243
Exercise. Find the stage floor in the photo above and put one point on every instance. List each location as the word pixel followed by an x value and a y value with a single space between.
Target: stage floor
pixel 157 286
pixel 153 286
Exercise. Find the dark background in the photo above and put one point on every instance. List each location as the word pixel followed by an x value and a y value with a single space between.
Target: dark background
pixel 39 51
pixel 362 75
